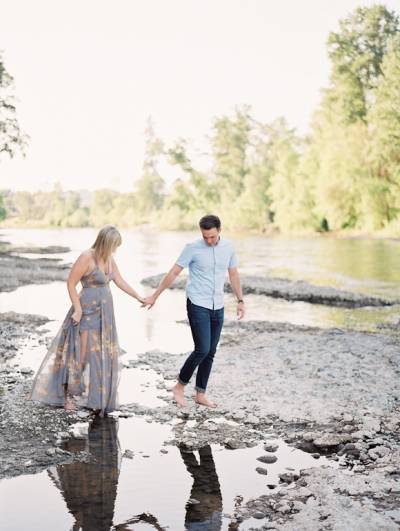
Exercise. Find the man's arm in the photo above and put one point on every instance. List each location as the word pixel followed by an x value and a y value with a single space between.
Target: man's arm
pixel 234 279
pixel 164 284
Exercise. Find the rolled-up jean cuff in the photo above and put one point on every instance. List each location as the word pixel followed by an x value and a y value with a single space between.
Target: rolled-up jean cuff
pixel 200 389
pixel 182 382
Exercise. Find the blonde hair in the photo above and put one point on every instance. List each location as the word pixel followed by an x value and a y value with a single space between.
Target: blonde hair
pixel 108 239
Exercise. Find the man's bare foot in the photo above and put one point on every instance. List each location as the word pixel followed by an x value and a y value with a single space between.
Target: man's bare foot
pixel 201 399
pixel 178 394
pixel 69 404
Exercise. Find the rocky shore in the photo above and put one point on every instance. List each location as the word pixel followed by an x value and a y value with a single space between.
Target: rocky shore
pixel 30 435
pixel 331 393
pixel 290 290
pixel 16 271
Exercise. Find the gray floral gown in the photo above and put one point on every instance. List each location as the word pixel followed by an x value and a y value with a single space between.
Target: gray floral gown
pixel 95 385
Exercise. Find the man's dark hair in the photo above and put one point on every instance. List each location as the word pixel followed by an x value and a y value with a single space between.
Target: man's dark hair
pixel 210 222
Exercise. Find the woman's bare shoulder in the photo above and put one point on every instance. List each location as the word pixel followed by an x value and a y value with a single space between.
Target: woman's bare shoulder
pixel 86 257
pixel 88 253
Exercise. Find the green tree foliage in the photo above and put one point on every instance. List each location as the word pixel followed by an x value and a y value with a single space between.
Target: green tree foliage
pixel 384 126
pixel 230 141
pixel 356 52
pixel 346 191
pixel 149 194
pixel 262 176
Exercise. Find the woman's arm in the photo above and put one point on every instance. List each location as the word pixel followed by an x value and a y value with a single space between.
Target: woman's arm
pixel 78 270
pixel 123 284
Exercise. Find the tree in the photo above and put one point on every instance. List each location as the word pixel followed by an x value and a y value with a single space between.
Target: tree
pixel 229 147
pixel 356 52
pixel 11 138
pixel 149 193
pixel 384 128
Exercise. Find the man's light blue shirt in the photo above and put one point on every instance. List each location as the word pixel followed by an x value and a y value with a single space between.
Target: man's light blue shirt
pixel 207 265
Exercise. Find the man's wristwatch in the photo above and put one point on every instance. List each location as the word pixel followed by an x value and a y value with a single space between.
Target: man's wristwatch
pixel 240 300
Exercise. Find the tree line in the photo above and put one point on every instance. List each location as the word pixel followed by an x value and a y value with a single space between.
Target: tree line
pixel 345 174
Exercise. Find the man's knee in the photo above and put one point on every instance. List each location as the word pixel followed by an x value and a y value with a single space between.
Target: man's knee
pixel 201 353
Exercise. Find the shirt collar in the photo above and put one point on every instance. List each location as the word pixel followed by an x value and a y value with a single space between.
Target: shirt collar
pixel 205 244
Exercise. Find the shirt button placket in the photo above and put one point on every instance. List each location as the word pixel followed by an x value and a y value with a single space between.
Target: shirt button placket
pixel 214 258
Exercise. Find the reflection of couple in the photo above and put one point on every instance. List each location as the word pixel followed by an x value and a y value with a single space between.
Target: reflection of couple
pixel 90 489
pixel 83 359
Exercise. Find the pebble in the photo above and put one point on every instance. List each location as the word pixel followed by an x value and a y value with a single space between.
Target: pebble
pixel 269 459
pixel 298 505
pixel 270 447
pixel 262 470
pixel 347 418
pixel 284 508
pixel 238 415
pixel 259 515
pixel 304 492
pixel 252 419
pixel 288 477
pixel 329 440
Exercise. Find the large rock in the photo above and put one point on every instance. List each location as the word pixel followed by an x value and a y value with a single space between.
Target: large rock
pixel 18 271
pixel 291 290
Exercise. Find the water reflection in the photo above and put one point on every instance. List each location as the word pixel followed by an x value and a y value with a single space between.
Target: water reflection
pixel 140 518
pixel 90 489
pixel 204 507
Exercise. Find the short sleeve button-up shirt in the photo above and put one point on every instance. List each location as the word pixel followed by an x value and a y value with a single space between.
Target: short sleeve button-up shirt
pixel 207 265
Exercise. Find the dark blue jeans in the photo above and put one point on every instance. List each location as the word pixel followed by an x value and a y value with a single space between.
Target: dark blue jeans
pixel 206 326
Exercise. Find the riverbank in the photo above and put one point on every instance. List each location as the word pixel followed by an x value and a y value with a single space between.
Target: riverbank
pixel 330 392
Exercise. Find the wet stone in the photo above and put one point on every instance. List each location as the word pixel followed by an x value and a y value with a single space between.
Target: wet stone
pixel 270 447
pixel 330 440
pixel 269 459
pixel 288 477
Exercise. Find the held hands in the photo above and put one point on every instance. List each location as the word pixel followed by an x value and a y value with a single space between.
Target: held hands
pixel 149 302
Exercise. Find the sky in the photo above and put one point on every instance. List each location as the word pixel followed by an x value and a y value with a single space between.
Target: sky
pixel 89 73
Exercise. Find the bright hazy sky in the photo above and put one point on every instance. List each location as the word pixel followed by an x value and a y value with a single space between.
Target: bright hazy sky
pixel 88 73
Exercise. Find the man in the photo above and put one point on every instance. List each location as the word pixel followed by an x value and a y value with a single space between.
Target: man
pixel 208 259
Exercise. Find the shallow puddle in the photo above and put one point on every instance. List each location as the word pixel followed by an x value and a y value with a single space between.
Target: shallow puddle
pixel 159 486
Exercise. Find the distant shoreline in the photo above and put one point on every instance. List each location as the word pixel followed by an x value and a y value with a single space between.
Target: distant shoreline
pixel 273 233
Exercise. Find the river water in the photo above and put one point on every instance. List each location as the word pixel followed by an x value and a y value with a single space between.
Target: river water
pixel 116 492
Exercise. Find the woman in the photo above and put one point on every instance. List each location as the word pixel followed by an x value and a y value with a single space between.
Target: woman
pixel 83 359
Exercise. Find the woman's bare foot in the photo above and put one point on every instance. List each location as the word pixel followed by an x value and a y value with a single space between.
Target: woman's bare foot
pixel 69 404
pixel 201 399
pixel 178 394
